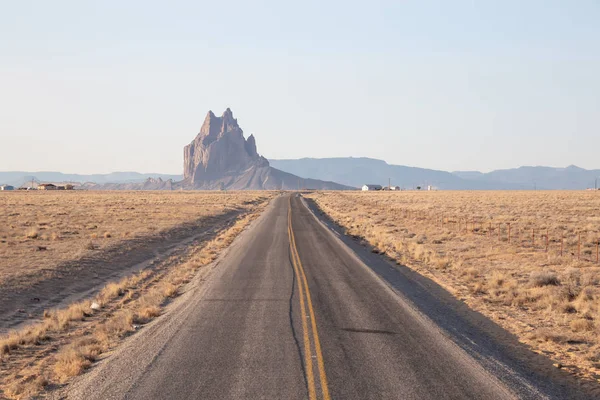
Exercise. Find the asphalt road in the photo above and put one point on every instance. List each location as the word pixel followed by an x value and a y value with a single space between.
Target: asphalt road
pixel 292 312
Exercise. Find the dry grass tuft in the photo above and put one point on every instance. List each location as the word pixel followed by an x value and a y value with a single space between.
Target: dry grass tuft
pixel 170 289
pixel 146 314
pixel 70 362
pixel 582 325
pixel 27 387
pixel 32 234
pixel 543 278
pixel 548 335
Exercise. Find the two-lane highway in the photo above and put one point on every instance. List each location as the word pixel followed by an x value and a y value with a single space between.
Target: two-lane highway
pixel 292 313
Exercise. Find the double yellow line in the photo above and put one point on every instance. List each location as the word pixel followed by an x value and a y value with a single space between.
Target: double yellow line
pixel 304 292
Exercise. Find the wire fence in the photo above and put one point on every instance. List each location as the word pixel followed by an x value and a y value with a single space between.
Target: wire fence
pixel 578 244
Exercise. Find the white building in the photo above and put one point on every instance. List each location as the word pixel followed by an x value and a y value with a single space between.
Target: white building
pixel 7 187
pixel 371 187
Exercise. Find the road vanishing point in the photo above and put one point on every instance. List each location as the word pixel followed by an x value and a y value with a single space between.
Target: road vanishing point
pixel 296 310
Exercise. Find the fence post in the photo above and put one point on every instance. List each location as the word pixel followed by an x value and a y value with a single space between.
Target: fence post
pixel 533 238
pixel 547 240
pixel 561 244
pixel 509 232
pixel 597 251
pixel 579 247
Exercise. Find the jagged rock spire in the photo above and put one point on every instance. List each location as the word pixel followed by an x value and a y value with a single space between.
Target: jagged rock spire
pixel 220 149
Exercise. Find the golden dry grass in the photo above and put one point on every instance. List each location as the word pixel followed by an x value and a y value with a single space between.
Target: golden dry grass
pixel 460 240
pixel 41 230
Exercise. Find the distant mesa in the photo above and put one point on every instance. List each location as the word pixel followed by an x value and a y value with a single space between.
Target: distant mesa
pixel 221 158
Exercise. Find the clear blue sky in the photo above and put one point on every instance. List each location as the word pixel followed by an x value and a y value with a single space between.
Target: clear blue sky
pixel 101 86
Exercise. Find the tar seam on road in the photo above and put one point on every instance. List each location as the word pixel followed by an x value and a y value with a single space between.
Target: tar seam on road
pixel 302 281
pixel 291 315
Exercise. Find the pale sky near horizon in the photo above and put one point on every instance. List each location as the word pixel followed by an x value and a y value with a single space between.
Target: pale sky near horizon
pixel 96 87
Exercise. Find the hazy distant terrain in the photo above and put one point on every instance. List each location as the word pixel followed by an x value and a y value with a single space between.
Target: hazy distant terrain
pixel 353 172
pixel 18 178
pixel 571 177
pixel 359 171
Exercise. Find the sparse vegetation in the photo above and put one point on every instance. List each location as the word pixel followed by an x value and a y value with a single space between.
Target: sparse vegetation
pixel 67 341
pixel 73 224
pixel 460 240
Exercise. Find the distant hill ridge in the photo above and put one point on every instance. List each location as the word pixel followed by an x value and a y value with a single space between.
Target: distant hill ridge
pixel 19 178
pixel 359 171
pixel 354 172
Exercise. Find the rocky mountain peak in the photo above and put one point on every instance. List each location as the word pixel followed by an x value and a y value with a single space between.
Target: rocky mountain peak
pixel 220 149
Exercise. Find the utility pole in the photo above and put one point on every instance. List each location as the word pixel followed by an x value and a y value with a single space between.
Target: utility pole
pixel 389 183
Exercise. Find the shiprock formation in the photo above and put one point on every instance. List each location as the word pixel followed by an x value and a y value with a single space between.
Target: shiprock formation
pixel 221 158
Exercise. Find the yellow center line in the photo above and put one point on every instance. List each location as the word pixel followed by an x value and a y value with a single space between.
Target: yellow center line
pixel 307 351
pixel 319 354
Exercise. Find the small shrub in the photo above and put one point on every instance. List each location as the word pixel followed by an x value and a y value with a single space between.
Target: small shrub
pixel 497 279
pixel 169 290
pixel 26 388
pixel 582 325
pixel 112 291
pixel 548 335
pixel 70 363
pixel 146 314
pixel 120 324
pixel 544 278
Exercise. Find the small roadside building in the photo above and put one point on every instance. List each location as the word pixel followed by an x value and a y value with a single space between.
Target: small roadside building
pixel 65 187
pixel 371 187
pixel 7 187
pixel 46 186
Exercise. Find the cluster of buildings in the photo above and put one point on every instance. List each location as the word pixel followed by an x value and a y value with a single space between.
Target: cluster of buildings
pixel 41 186
pixel 369 187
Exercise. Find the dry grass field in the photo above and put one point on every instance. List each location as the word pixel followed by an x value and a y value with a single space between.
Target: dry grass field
pixel 40 231
pixel 66 341
pixel 551 301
